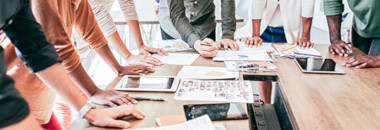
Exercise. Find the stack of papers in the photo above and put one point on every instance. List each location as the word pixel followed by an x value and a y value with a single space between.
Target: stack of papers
pixel 260 55
pixel 295 50
pixel 200 123
pixel 177 59
pixel 198 72
pixel 215 91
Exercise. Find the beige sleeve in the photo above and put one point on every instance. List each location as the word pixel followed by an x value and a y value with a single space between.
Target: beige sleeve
pixel 129 10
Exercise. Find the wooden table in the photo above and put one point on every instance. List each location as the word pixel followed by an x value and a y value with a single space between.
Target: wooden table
pixel 314 101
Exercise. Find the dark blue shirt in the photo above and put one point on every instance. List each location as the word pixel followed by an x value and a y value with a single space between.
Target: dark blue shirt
pixel 18 22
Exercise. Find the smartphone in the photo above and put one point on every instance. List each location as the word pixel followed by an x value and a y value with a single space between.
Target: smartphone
pixel 223 111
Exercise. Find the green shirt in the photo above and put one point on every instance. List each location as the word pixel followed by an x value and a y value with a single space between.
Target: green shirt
pixel 366 12
pixel 195 19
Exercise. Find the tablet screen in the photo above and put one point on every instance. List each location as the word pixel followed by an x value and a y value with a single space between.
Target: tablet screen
pixel 223 111
pixel 154 83
pixel 316 64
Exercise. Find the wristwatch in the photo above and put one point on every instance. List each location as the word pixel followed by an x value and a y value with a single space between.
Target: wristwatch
pixel 83 111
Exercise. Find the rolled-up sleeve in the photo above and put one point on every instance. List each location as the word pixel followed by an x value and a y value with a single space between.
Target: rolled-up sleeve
pixel 257 9
pixel 307 8
pixel 333 7
pixel 30 42
pixel 86 26
pixel 181 23
pixel 129 9
pixel 228 19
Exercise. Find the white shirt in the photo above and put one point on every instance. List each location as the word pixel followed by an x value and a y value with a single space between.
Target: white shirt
pixel 291 11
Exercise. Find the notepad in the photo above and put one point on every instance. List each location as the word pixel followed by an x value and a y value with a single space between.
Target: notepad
pixel 170 120
pixel 177 59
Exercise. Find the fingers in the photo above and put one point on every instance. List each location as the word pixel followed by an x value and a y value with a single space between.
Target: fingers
pixel 363 65
pixel 126 110
pixel 209 54
pixel 126 98
pixel 111 104
pixel 118 123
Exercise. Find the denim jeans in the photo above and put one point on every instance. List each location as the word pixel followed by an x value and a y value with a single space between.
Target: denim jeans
pixel 370 46
pixel 274 35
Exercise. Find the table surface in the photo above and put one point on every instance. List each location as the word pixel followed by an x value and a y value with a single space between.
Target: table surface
pixel 315 101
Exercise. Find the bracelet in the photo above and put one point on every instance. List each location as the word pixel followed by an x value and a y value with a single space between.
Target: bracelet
pixel 84 110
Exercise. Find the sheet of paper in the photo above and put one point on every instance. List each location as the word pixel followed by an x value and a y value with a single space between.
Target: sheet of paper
pixel 172 45
pixel 292 49
pixel 264 47
pixel 200 123
pixel 177 59
pixel 200 72
pixel 215 91
pixel 259 55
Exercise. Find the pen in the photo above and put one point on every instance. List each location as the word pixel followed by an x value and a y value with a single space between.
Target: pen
pixel 149 99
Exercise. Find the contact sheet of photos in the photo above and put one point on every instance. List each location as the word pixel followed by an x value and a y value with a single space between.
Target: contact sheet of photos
pixel 216 90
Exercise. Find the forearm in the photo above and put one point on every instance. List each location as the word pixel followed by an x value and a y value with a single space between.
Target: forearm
pixel 116 42
pixel 56 78
pixel 306 27
pixel 334 23
pixel 256 23
pixel 135 28
pixel 106 54
pixel 80 77
pixel 228 19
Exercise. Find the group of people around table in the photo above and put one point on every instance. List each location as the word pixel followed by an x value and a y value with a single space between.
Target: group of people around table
pixel 40 59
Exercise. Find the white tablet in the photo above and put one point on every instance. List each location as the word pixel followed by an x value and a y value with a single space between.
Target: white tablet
pixel 148 83
pixel 318 65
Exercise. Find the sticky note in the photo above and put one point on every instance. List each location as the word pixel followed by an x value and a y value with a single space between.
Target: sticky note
pixel 215 73
pixel 262 63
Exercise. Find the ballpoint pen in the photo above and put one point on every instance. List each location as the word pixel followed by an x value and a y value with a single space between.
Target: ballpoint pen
pixel 149 99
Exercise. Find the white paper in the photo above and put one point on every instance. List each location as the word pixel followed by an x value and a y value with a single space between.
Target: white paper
pixel 259 55
pixel 200 72
pixel 177 59
pixel 291 49
pixel 215 91
pixel 173 45
pixel 264 47
pixel 200 123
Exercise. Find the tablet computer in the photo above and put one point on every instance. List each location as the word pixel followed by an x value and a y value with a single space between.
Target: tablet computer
pixel 222 111
pixel 148 83
pixel 319 65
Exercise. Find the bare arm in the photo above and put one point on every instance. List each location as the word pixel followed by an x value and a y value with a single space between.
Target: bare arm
pixel 305 39
pixel 337 45
pixel 29 123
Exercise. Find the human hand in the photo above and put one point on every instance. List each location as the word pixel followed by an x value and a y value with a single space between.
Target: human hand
pixel 254 41
pixel 363 61
pixel 134 70
pixel 304 43
pixel 225 43
pixel 206 48
pixel 107 117
pixel 338 48
pixel 111 98
pixel 143 60
pixel 145 50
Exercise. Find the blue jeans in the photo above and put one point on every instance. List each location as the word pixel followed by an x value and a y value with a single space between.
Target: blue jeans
pixel 370 46
pixel 274 35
